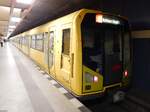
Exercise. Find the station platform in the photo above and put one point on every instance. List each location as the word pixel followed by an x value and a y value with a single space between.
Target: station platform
pixel 25 88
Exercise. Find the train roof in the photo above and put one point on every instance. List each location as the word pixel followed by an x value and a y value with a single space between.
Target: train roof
pixel 67 18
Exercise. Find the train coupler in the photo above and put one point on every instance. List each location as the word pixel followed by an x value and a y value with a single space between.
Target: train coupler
pixel 118 96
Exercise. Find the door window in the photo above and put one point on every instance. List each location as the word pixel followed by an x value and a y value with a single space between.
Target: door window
pixel 51 48
pixel 126 50
pixel 51 43
pixel 113 44
pixel 66 42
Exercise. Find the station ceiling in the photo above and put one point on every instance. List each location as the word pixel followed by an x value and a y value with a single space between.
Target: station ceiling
pixel 42 11
pixel 8 9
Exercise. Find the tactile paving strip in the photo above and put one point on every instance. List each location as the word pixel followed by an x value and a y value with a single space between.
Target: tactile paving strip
pixel 68 95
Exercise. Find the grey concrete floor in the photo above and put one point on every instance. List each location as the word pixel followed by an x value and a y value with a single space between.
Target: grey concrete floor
pixel 24 89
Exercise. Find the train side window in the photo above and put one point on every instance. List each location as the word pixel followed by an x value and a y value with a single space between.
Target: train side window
pixel 39 42
pixel 18 40
pixel 23 43
pixel 66 41
pixel 33 38
pixel 24 40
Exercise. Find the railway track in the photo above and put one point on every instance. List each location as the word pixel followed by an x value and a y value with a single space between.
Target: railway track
pixel 130 104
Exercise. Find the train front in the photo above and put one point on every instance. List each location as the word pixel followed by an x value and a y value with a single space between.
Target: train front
pixel 106 54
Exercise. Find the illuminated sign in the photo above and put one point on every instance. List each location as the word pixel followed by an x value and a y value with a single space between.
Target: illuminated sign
pixel 101 19
pixel 111 21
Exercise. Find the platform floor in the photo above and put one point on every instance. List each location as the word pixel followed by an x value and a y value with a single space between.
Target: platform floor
pixel 23 88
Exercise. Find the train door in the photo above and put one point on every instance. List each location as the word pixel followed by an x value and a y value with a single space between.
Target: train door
pixel 19 42
pixel 65 53
pixel 21 39
pixel 27 44
pixel 113 57
pixel 29 40
pixel 51 56
pixel 46 48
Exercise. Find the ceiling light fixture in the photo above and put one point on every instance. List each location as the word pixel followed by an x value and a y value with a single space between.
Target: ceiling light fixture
pixel 10 30
pixel 13 26
pixel 24 1
pixel 15 19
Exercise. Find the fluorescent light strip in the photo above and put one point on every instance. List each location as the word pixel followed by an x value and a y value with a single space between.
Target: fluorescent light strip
pixel 12 26
pixel 24 1
pixel 10 30
pixel 15 19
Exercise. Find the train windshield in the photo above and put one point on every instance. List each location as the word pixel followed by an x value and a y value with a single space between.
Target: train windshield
pixel 102 43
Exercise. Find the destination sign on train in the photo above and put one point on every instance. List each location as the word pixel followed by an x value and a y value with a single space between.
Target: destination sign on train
pixel 101 19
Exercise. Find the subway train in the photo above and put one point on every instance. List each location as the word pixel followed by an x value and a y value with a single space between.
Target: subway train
pixel 88 52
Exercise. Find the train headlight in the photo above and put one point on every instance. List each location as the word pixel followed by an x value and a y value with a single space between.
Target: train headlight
pixel 88 77
pixel 95 79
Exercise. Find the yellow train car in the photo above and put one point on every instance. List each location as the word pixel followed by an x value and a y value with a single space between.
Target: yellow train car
pixel 87 51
